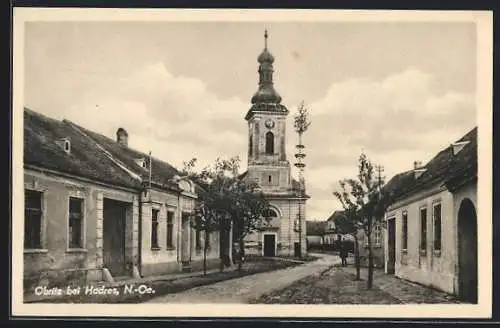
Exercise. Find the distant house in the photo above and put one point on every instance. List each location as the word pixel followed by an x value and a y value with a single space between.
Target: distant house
pixel 95 209
pixel 432 225
pixel 314 233
pixel 333 234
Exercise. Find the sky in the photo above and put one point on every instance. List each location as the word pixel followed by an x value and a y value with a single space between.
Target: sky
pixel 398 91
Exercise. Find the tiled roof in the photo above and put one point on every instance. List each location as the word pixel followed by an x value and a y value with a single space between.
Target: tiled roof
pixel 447 168
pixel 161 173
pixel 42 148
pixel 335 215
pixel 400 183
pixel 315 228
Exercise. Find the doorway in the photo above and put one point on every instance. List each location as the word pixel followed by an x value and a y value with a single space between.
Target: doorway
pixel 269 245
pixel 114 222
pixel 467 252
pixel 391 245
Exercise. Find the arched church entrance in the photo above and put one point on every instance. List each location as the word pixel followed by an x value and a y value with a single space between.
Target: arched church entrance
pixel 269 238
pixel 467 251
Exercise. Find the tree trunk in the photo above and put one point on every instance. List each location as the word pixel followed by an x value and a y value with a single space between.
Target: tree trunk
pixel 370 263
pixel 222 248
pixel 205 250
pixel 241 244
pixel 357 261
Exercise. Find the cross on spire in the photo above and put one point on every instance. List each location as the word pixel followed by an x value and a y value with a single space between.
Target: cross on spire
pixel 265 39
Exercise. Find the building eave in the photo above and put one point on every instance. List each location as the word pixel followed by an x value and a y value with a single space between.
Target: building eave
pixel 415 197
pixel 41 169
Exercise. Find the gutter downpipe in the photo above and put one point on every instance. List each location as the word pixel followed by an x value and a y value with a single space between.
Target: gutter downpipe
pixel 139 234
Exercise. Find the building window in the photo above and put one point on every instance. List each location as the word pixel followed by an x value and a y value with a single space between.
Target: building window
pixel 377 235
pixel 269 143
pixel 269 179
pixel 75 230
pixel 405 231
pixel 32 219
pixel 437 227
pixel 423 229
pixel 170 230
pixel 250 146
pixel 154 229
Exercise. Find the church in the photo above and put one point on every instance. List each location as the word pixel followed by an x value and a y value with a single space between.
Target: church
pixel 285 232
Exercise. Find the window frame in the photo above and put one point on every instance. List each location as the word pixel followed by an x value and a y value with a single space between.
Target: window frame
pixel 43 206
pixel 404 231
pixel 377 229
pixel 423 230
pixel 83 225
pixel 154 227
pixel 436 251
pixel 269 146
pixel 171 235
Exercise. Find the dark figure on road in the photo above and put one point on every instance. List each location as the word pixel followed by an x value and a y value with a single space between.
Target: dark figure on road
pixel 343 254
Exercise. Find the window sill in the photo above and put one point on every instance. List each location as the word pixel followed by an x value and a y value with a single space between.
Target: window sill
pixel 77 250
pixel 170 248
pixel 155 248
pixel 423 252
pixel 404 251
pixel 437 253
pixel 35 251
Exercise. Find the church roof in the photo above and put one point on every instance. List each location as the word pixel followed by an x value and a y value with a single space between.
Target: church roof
pixel 266 98
pixel 265 56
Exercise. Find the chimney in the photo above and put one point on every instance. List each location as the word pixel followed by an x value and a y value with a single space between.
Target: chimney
pixel 417 165
pixel 122 137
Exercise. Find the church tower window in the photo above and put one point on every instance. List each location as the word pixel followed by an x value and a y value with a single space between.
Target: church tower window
pixel 250 146
pixel 269 143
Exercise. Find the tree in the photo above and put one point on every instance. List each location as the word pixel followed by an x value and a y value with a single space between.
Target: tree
pixel 225 201
pixel 366 202
pixel 206 221
pixel 349 223
pixel 248 205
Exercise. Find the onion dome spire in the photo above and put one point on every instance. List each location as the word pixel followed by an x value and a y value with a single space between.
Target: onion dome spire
pixel 266 92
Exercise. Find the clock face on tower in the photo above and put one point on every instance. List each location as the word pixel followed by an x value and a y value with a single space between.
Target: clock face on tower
pixel 269 124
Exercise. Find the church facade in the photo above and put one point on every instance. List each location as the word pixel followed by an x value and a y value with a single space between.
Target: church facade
pixel 268 165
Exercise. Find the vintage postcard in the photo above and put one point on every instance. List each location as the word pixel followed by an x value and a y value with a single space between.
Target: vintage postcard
pixel 252 163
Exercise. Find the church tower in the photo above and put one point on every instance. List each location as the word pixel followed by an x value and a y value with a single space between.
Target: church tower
pixel 284 233
pixel 267 160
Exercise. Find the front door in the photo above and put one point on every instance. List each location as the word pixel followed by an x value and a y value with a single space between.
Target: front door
pixel 467 252
pixel 269 245
pixel 391 258
pixel 114 216
pixel 296 249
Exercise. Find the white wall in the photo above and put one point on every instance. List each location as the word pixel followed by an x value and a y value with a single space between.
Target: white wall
pixel 437 269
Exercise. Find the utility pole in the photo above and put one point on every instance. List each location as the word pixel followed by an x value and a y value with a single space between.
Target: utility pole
pixel 379 169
